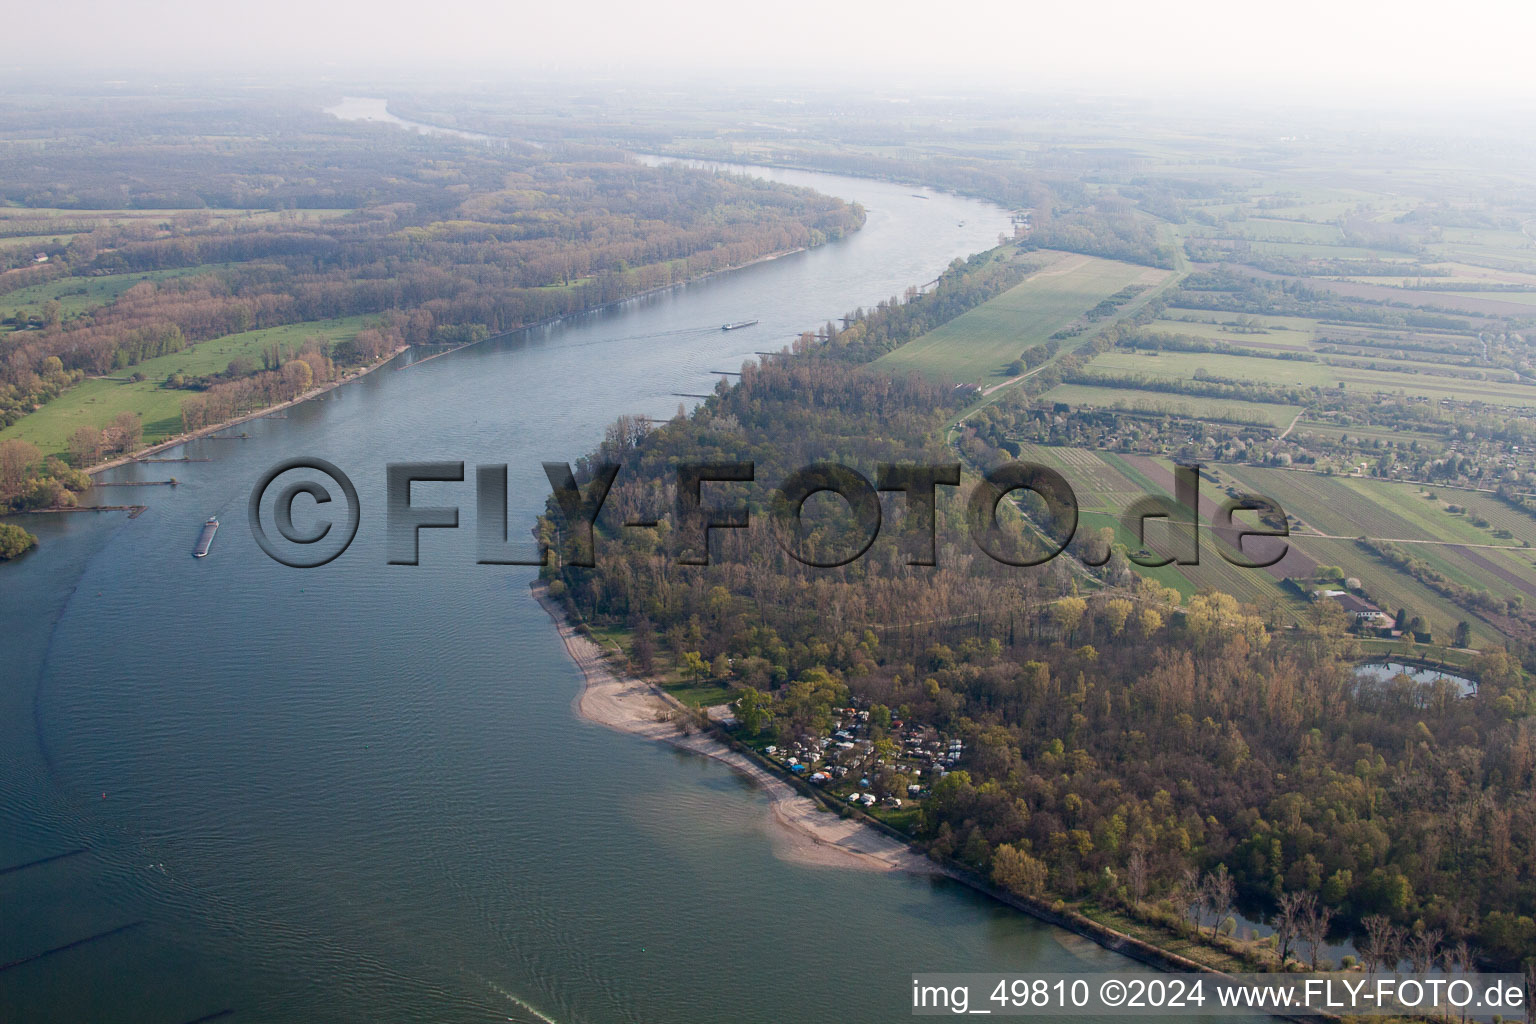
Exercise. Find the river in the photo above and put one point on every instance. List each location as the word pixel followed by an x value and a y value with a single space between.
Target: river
pixel 359 793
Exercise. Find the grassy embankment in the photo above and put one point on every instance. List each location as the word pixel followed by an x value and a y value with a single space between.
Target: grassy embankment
pixel 94 402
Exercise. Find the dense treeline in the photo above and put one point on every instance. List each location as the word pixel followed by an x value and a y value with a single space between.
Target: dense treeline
pixel 1120 742
pixel 438 239
pixel 1109 227
pixel 565 237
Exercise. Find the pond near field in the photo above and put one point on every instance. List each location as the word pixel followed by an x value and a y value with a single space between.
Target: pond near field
pixel 1382 672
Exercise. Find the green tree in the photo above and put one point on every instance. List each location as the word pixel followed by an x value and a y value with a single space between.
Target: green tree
pixel 1066 614
pixel 13 541
pixel 879 717
pixel 1016 871
pixel 754 710
pixel 692 666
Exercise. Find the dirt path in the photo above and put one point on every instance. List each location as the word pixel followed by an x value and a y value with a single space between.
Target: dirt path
pixel 800 830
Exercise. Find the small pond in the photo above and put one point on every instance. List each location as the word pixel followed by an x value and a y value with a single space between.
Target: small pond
pixel 1383 671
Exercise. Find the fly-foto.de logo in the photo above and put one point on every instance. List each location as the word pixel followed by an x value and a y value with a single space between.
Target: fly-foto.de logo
pixel 714 496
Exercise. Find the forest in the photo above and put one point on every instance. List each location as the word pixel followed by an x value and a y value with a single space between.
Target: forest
pixel 304 220
pixel 1167 756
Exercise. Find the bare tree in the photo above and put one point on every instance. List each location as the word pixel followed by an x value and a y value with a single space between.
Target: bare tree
pixel 1182 898
pixel 1424 949
pixel 1315 918
pixel 1373 951
pixel 1220 891
pixel 85 446
pixel 1287 922
pixel 1459 959
pixel 16 458
pixel 1136 877
pixel 1397 940
pixel 129 430
pixel 1194 895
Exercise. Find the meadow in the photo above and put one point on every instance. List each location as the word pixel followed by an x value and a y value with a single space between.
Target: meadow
pixel 77 295
pixel 96 401
pixel 1420 518
pixel 1174 366
pixel 980 344
pixel 1158 403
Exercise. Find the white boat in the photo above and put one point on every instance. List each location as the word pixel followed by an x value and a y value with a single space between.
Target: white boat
pixel 737 324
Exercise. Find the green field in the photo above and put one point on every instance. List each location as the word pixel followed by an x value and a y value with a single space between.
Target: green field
pixel 980 344
pixel 1428 442
pixel 1185 365
pixel 1276 336
pixel 1106 483
pixel 1132 400
pixel 78 294
pixel 96 401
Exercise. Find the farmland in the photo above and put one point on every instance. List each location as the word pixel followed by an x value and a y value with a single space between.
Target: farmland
pixel 1328 513
pixel 980 344
pixel 1187 365
pixel 1153 402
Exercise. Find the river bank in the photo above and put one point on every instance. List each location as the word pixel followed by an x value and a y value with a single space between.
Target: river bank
pixel 402 816
pixel 192 435
pixel 801 831
pixel 160 446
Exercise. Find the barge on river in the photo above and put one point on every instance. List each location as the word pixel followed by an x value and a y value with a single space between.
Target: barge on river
pixel 205 540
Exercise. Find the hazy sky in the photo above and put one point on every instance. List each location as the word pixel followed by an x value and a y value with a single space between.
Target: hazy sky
pixel 1290 47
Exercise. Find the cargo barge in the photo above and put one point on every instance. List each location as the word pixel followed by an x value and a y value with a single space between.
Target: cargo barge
pixel 205 541
pixel 737 325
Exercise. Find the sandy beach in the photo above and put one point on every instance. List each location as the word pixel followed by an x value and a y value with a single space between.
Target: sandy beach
pixel 801 831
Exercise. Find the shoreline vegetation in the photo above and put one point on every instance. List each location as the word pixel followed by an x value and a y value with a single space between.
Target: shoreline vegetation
pixel 805 826
pixel 801 832
pixel 311 250
pixel 19 541
pixel 160 446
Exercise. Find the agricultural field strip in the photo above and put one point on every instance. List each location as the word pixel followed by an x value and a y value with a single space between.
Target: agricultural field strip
pixel 1456 351
pixel 1139 400
pixel 1343 512
pixel 1107 483
pixel 1393 590
pixel 983 341
pixel 1313 328
pixel 1180 366
pixel 1253 586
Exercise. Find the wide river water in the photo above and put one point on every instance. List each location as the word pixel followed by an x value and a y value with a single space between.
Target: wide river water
pixel 359 793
